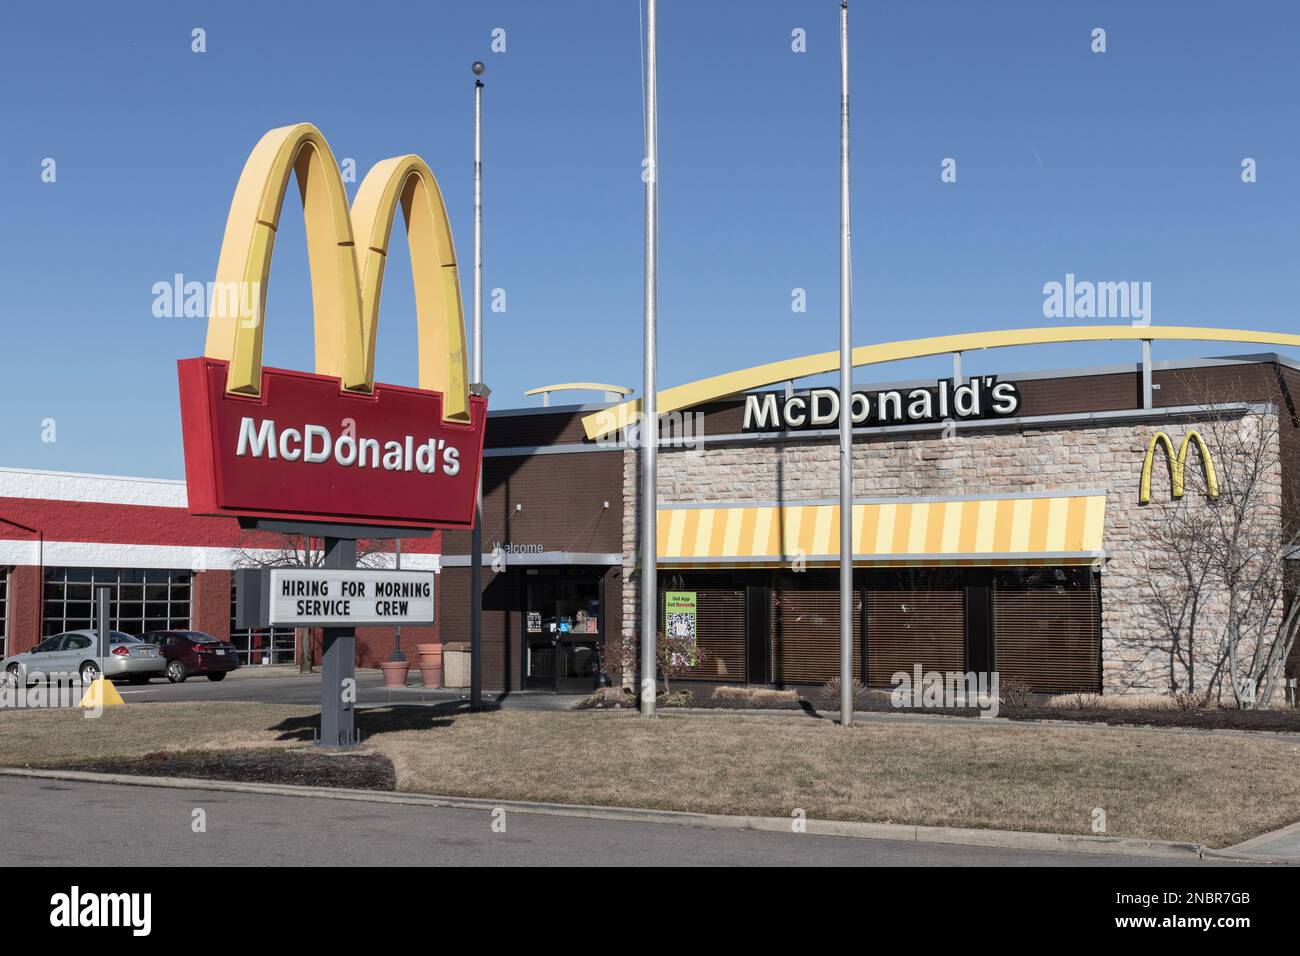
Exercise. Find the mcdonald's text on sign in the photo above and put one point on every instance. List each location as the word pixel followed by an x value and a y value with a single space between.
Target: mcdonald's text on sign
pixel 304 450
pixel 302 597
pixel 333 445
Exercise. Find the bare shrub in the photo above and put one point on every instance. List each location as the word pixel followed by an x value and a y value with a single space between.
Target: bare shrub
pixel 677 698
pixel 755 695
pixel 1087 701
pixel 1187 700
pixel 1015 693
pixel 829 693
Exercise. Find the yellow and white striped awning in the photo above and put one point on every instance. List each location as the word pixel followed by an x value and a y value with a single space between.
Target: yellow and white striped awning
pixel 1060 528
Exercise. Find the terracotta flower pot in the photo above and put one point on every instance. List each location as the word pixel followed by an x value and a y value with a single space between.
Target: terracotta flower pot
pixel 395 672
pixel 430 664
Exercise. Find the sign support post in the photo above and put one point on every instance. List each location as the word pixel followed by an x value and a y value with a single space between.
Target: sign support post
pixel 338 667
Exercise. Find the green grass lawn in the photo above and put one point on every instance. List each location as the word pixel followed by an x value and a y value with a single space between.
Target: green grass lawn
pixel 1218 789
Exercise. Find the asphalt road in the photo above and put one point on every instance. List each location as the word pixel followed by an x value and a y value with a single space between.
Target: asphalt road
pixel 148 826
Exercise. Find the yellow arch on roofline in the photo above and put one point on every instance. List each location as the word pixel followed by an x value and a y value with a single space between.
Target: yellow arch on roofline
pixel 346 279
pixel 580 387
pixel 674 399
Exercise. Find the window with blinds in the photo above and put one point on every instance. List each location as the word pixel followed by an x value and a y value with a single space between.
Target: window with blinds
pixel 910 622
pixel 720 625
pixel 805 625
pixel 1047 629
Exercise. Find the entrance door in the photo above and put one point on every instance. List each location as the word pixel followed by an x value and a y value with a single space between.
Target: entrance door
pixel 563 628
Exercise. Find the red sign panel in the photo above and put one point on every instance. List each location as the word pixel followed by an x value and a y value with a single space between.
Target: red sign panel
pixel 305 450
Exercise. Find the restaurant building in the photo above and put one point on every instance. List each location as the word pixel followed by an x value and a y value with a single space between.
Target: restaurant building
pixel 999 524
pixel 1002 530
pixel 64 535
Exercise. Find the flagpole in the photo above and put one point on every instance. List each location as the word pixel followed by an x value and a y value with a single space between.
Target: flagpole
pixel 476 536
pixel 650 417
pixel 846 392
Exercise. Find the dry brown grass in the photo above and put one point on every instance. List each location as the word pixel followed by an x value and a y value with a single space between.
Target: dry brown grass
pixel 1212 789
pixel 50 737
pixel 1216 789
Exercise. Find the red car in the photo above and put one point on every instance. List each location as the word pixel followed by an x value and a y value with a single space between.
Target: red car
pixel 193 652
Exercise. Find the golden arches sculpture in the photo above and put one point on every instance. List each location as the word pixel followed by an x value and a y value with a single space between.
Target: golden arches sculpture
pixel 346 277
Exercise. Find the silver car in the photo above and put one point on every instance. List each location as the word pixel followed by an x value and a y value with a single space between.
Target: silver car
pixel 76 653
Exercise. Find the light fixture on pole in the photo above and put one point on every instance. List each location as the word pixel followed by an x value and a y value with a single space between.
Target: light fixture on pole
pixel 476 535
pixel 650 418
pixel 846 391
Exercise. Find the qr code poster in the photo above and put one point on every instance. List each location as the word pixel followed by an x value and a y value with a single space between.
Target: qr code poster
pixel 679 614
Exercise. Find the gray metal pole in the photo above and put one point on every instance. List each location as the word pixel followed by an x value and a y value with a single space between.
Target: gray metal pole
pixel 650 417
pixel 1147 398
pixel 338 663
pixel 476 536
pixel 397 654
pixel 846 392
pixel 102 625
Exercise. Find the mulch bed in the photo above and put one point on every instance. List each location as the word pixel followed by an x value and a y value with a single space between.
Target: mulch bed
pixel 362 771
pixel 703 701
pixel 707 702
pixel 1268 721
pixel 1272 721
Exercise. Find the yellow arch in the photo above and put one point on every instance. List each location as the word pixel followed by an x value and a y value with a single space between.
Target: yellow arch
pixel 237 315
pixel 1178 465
pixel 732 383
pixel 1159 440
pixel 581 387
pixel 409 181
pixel 346 279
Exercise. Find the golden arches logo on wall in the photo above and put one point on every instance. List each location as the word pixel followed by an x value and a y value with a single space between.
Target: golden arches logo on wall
pixel 347 251
pixel 1178 465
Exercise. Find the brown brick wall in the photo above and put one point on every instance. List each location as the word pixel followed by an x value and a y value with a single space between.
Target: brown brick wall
pixel 562 499
pixel 210 603
pixel 25 599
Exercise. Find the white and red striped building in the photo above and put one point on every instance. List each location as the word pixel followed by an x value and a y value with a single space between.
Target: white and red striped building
pixel 62 534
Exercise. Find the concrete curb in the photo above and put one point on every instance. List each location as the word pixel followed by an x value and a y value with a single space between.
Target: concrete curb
pixel 1001 839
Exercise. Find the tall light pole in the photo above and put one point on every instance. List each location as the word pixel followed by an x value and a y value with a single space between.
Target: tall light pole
pixel 476 536
pixel 846 391
pixel 650 417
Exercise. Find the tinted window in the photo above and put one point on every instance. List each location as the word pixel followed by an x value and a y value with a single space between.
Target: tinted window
pixel 50 644
pixel 198 637
pixel 77 642
pixel 119 638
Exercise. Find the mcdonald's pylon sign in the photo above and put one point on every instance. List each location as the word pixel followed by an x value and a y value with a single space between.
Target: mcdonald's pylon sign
pixel 1178 465
pixel 333 445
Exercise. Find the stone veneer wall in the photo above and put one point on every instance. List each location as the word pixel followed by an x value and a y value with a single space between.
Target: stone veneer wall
pixel 983 461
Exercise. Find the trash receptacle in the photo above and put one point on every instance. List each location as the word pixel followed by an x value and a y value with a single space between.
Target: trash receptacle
pixel 455 664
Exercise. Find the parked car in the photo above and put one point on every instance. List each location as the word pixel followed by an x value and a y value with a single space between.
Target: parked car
pixel 77 652
pixel 193 652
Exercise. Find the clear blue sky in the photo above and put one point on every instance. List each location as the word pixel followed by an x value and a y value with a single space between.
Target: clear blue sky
pixel 1116 166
